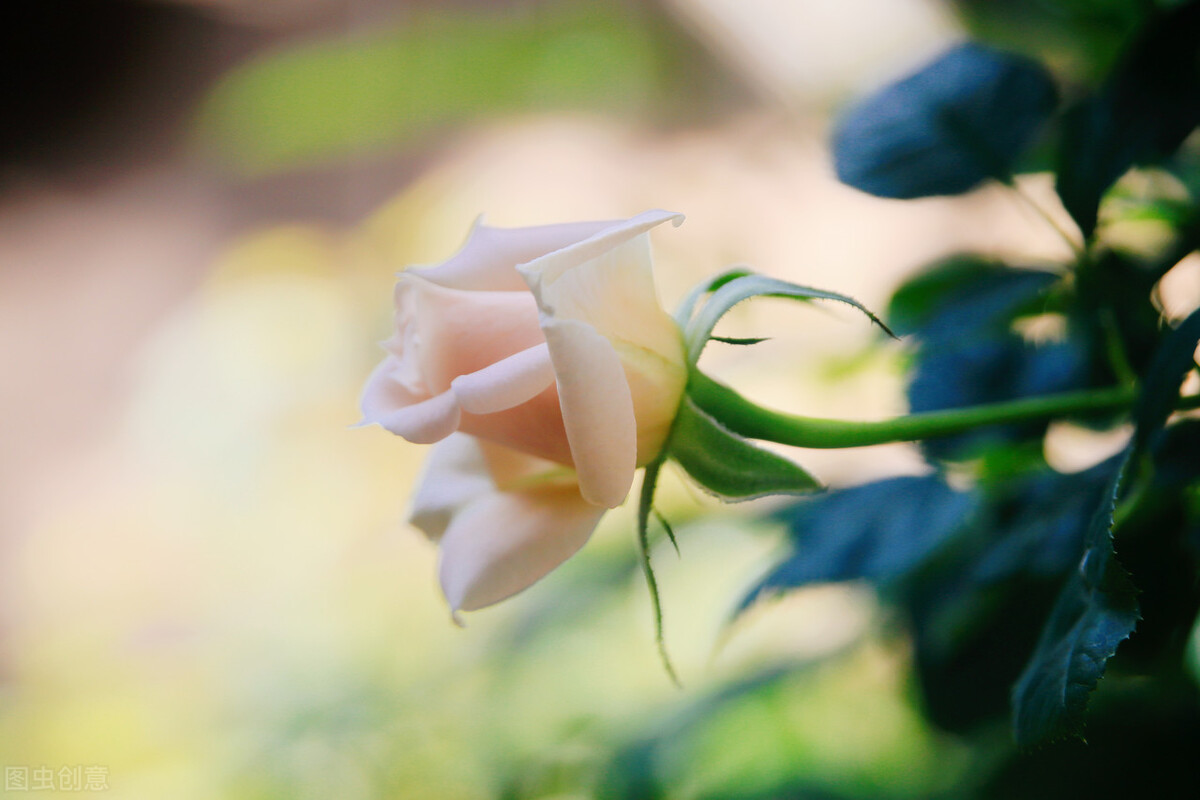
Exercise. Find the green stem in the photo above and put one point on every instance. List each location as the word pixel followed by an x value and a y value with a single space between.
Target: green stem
pixel 750 420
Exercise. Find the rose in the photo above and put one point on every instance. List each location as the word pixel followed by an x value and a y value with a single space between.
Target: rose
pixel 542 364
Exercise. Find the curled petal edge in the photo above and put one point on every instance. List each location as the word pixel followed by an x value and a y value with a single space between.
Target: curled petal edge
pixel 550 267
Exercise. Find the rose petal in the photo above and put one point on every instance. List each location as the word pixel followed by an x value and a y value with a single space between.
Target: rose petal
pixel 383 393
pixel 512 470
pixel 454 474
pixel 504 542
pixel 507 383
pixel 603 240
pixel 425 422
pixel 450 332
pixel 607 281
pixel 488 259
pixel 656 385
pixel 597 410
pixel 535 428
pixel 544 271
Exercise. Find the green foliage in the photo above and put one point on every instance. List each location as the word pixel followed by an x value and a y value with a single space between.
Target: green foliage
pixel 880 531
pixel 1098 606
pixel 1160 386
pixel 1144 111
pixel 962 315
pixel 1083 36
pixel 329 98
pixel 964 118
pixel 1022 586
pixel 965 290
pixel 1141 739
pixel 775 734
pixel 975 570
pixel 1095 612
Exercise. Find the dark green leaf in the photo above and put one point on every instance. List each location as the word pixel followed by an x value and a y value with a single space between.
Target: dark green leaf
pixel 1177 455
pixel 1157 539
pixel 878 531
pixel 962 119
pixel 962 292
pixel 1096 610
pixel 1160 385
pixel 977 606
pixel 1038 523
pixel 1145 110
pixel 1113 306
pixel 728 465
pixel 1140 734
pixel 970 643
pixel 961 312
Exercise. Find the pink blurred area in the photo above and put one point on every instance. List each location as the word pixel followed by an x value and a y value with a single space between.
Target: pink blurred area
pixel 108 221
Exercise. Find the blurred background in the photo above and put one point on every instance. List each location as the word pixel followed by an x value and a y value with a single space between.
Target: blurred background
pixel 207 588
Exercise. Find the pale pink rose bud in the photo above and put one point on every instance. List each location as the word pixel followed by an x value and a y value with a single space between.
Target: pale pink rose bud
pixel 548 346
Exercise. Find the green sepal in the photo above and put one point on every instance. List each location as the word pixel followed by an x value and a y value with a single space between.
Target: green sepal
pixel 645 509
pixel 739 340
pixel 728 465
pixel 735 286
pixel 687 308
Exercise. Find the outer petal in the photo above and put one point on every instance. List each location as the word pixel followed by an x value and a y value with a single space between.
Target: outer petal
pixel 507 383
pixel 606 284
pixel 384 392
pixel 454 474
pixel 502 543
pixel 425 422
pixel 461 469
pixel 597 410
pixel 656 384
pixel 607 281
pixel 488 259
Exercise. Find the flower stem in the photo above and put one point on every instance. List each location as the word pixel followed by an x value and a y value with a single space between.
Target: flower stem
pixel 748 419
